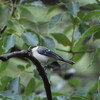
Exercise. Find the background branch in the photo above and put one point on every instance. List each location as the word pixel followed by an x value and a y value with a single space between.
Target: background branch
pixel 24 53
pixel 13 8
pixel 75 52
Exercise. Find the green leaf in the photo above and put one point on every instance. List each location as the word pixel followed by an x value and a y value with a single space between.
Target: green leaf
pixel 54 7
pixel 80 98
pixel 96 54
pixel 48 42
pixel 21 67
pixel 57 94
pixel 55 20
pixel 75 82
pixel 73 7
pixel 28 23
pixel 8 42
pixel 3 66
pixel 25 12
pixel 14 85
pixel 88 32
pixel 78 57
pixel 13 91
pixel 83 27
pixel 96 35
pixel 3 82
pixel 94 5
pixel 68 29
pixel 62 39
pixel 95 13
pixel 30 87
pixel 4 15
pixel 93 89
pixel 9 31
pixel 30 38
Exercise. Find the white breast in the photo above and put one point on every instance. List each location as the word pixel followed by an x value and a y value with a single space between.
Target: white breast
pixel 40 58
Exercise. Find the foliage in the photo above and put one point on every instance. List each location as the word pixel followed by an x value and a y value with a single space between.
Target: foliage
pixel 70 28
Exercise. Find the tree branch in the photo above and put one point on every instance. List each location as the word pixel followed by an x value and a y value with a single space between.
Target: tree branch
pixel 25 53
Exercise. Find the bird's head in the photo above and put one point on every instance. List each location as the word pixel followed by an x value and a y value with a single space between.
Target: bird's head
pixel 32 49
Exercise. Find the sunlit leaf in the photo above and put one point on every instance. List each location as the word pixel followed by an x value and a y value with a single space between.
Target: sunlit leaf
pixel 55 20
pixel 8 42
pixel 24 12
pixel 73 7
pixel 68 29
pixel 30 38
pixel 62 39
pixel 95 13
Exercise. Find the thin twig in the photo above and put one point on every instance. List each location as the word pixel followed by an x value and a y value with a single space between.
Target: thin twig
pixel 13 8
pixel 75 52
pixel 24 53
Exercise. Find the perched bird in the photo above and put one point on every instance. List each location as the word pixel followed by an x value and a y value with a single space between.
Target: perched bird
pixel 47 57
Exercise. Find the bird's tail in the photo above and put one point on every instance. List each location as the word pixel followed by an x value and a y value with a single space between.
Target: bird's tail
pixel 67 61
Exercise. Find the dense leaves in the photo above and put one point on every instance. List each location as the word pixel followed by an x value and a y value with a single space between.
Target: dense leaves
pixel 73 26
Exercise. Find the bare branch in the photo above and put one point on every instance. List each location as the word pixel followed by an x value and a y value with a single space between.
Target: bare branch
pixel 25 53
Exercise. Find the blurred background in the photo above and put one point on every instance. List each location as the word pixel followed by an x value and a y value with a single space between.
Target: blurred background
pixel 71 28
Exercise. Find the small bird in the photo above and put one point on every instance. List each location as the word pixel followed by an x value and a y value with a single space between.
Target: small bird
pixel 47 57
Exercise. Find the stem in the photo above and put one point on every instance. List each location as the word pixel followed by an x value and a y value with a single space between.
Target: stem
pixel 75 52
pixel 73 36
pixel 13 8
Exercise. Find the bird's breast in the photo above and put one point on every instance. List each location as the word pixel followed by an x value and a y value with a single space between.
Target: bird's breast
pixel 41 58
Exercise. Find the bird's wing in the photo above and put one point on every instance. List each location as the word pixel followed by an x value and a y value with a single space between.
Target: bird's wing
pixel 45 51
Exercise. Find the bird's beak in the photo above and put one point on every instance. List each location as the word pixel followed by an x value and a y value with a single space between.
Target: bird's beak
pixel 29 52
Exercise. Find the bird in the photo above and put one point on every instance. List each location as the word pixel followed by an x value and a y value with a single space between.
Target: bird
pixel 46 57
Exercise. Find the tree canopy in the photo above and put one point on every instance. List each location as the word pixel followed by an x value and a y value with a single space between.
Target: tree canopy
pixel 71 28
